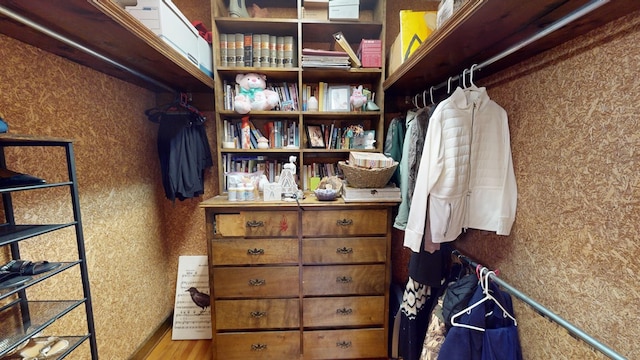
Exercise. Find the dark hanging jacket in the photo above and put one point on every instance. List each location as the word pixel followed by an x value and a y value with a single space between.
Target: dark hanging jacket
pixel 184 154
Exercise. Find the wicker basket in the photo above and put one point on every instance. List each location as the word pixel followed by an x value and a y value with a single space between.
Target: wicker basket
pixel 360 177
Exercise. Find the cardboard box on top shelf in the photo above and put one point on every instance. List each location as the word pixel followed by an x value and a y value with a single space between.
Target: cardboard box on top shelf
pixel 415 28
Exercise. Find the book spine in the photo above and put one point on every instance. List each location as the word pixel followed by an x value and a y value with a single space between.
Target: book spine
pixel 248 49
pixel 231 50
pixel 257 51
pixel 279 51
pixel 272 51
pixel 264 50
pixel 239 37
pixel 223 50
pixel 288 52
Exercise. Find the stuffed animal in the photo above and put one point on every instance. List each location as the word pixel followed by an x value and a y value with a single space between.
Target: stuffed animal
pixel 253 94
pixel 357 98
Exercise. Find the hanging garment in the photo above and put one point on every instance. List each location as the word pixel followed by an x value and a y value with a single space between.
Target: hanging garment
pixel 416 123
pixel 393 144
pixel 183 149
pixel 426 277
pixel 498 341
pixel 466 171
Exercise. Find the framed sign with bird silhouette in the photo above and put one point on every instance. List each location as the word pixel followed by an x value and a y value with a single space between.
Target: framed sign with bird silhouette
pixel 192 311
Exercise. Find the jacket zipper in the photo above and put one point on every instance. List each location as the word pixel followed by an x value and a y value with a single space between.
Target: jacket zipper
pixel 468 197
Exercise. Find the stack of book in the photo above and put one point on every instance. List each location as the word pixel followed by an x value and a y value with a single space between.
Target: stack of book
pixel 256 50
pixel 325 59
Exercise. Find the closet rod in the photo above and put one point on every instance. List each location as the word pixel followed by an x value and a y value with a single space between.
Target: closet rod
pixel 574 15
pixel 543 310
pixel 25 21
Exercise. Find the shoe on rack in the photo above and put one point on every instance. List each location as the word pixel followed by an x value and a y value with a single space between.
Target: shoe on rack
pixel 26 267
pixel 10 178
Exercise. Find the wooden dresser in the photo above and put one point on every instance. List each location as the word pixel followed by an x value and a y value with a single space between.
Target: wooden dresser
pixel 299 281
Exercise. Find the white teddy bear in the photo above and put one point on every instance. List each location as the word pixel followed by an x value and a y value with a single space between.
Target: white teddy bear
pixel 253 94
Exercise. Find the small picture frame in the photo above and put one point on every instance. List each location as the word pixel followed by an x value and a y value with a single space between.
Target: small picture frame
pixel 315 136
pixel 338 98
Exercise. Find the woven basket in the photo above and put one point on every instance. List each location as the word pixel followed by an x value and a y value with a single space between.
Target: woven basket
pixel 361 177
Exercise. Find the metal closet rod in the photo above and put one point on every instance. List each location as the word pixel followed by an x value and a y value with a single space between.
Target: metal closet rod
pixel 574 15
pixel 543 310
pixel 25 21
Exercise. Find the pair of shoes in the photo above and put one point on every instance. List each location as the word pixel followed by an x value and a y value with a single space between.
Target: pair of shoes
pixel 10 279
pixel 26 267
pixel 45 349
pixel 10 178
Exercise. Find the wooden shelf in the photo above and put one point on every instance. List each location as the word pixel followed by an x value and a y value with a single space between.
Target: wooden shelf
pixel 482 29
pixel 105 28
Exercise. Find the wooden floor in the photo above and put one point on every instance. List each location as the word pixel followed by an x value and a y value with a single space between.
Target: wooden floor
pixel 168 349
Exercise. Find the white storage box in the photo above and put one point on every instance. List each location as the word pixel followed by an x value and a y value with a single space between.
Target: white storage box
pixel 344 9
pixel 205 56
pixel 166 20
pixel 388 193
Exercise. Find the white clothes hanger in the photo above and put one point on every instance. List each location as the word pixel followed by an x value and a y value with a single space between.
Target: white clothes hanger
pixel 471 75
pixel 464 79
pixel 449 85
pixel 484 282
pixel 431 95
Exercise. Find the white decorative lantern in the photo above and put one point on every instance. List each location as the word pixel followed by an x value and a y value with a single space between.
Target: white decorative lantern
pixel 287 179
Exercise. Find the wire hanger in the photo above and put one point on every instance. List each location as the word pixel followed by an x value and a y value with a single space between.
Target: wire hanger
pixel 484 282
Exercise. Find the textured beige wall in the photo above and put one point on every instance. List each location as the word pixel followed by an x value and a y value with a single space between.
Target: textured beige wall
pixel 574 117
pixel 133 234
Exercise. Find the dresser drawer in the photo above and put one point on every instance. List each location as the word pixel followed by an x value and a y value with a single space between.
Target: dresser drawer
pixel 263 345
pixel 343 280
pixel 345 344
pixel 252 282
pixel 344 311
pixel 254 251
pixel 344 250
pixel 344 222
pixel 257 223
pixel 257 314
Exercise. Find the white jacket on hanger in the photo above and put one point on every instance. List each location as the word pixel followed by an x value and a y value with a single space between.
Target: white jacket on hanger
pixel 466 171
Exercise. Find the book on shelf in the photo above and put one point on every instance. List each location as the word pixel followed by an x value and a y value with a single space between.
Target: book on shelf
pixel 248 49
pixel 257 45
pixel 223 50
pixel 264 50
pixel 279 51
pixel 231 50
pixel 272 51
pixel 239 39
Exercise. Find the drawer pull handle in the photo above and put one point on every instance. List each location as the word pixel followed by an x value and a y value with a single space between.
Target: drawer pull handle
pixel 257 282
pixel 344 311
pixel 344 222
pixel 258 314
pixel 255 251
pixel 344 279
pixel 255 223
pixel 258 347
pixel 344 250
pixel 343 344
